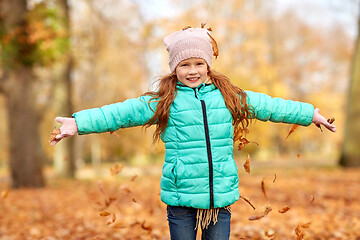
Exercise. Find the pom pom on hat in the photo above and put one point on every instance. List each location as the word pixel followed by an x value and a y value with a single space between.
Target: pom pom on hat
pixel 189 43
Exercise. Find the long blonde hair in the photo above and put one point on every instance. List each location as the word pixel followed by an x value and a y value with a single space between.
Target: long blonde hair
pixel 234 97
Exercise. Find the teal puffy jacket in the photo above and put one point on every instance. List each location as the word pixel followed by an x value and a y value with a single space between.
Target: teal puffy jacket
pixel 199 169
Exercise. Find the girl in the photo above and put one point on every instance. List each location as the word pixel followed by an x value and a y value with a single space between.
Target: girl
pixel 198 113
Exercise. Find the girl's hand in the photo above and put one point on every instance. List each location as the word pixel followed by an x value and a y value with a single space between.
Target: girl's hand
pixel 318 120
pixel 68 129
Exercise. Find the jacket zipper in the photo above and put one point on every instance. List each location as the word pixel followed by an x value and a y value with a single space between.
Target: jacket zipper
pixel 208 148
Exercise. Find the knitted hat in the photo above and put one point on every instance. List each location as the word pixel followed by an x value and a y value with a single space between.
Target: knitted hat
pixel 188 43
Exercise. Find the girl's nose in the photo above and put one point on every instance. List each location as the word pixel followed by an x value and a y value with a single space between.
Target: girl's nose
pixel 192 70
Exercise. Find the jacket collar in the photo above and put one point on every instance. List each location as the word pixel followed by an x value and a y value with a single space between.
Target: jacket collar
pixel 202 88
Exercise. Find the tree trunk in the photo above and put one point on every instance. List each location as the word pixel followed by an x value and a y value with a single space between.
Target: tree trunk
pixel 18 87
pixel 64 157
pixel 25 159
pixel 350 156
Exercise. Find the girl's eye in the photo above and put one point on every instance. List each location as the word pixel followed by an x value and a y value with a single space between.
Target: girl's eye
pixel 200 63
pixel 184 65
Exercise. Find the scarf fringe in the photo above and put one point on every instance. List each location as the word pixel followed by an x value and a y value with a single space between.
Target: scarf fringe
pixel 205 216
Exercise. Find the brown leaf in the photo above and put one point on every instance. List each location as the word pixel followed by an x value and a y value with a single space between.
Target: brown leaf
pixel 214 46
pixel 312 199
pixel 116 169
pixel 5 193
pixel 202 25
pixel 306 225
pixel 331 120
pixel 104 214
pixel 112 219
pixel 259 216
pixel 263 188
pixel 299 233
pixel 53 134
pixel 187 27
pixel 293 128
pixel 242 143
pixel 247 164
pixel 274 178
pixel 133 178
pixel 284 210
pixel 248 201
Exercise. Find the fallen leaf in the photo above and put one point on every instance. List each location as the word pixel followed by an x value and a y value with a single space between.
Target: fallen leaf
pixel 284 210
pixel 293 128
pixel 299 233
pixel 312 199
pixel 104 214
pixel 248 201
pixel 5 193
pixel 247 164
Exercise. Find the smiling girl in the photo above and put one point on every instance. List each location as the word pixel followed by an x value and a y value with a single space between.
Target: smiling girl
pixel 197 113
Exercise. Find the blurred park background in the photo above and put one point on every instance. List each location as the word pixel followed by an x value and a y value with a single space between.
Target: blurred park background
pixel 62 56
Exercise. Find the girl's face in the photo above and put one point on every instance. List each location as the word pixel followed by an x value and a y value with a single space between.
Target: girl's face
pixel 192 72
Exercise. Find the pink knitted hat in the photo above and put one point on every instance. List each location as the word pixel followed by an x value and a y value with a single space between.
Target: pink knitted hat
pixel 188 43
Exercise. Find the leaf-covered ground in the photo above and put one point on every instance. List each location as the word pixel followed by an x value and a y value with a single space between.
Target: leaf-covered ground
pixel 319 203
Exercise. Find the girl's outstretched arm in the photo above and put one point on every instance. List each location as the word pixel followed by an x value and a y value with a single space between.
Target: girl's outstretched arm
pixel 69 128
pixel 318 120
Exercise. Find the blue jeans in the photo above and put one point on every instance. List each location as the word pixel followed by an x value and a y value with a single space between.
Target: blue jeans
pixel 182 223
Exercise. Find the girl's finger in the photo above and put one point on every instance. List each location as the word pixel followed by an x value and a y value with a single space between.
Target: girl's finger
pixel 60 119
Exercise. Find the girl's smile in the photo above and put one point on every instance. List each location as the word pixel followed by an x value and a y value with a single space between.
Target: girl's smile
pixel 192 72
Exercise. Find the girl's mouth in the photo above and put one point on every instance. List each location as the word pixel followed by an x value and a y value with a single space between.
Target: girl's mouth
pixel 193 79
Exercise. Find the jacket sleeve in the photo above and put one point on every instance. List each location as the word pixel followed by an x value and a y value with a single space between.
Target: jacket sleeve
pixel 130 113
pixel 280 110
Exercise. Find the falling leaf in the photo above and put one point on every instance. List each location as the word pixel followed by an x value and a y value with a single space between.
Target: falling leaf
pixel 293 128
pixel 53 134
pixel 263 188
pixel 134 200
pixel 242 143
pixel 247 164
pixel 5 193
pixel 306 225
pixel 133 178
pixel 274 178
pixel 104 214
pixel 312 199
pixel 263 214
pixel 298 155
pixel 331 120
pixel 284 210
pixel 319 126
pixel 116 169
pixel 248 201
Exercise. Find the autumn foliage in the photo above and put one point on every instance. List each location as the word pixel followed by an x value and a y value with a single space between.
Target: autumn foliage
pixel 300 204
